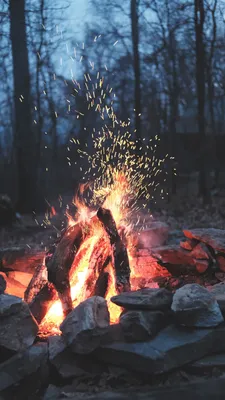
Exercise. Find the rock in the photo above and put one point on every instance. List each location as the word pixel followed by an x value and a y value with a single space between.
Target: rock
pixel 68 364
pixel 195 306
pixel 188 244
pixel 156 235
pixel 211 236
pixel 208 362
pixel 201 252
pixel 145 299
pixel 2 284
pixel 201 265
pixel 218 291
pixel 172 348
pixel 173 254
pixel 85 327
pixel 18 327
pixel 221 262
pixel 22 365
pixel 141 325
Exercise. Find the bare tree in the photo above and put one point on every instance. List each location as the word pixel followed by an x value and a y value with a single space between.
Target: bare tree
pixel 199 20
pixel 136 64
pixel 25 139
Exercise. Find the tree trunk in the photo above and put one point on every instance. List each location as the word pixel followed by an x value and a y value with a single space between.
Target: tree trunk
pixel 25 138
pixel 136 66
pixel 199 19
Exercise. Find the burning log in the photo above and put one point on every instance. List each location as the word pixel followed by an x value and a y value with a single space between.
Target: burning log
pixel 20 259
pixel 99 259
pixel 38 281
pixel 59 264
pixel 42 301
pixel 119 251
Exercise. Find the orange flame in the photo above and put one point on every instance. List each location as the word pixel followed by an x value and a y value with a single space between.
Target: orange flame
pixel 116 196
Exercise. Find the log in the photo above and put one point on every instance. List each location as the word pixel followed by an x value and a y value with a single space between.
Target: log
pixel 120 258
pixel 38 281
pixel 59 264
pixel 42 302
pixel 99 259
pixel 20 259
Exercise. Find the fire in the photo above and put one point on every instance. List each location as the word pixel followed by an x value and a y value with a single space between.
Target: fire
pixel 121 178
pixel 117 197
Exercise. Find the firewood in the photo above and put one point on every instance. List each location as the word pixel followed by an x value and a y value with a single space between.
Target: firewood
pixel 59 264
pixel 42 301
pixel 120 258
pixel 20 259
pixel 38 281
pixel 99 259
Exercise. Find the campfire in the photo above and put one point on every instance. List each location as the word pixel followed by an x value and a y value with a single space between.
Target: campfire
pixel 93 256
pixel 96 254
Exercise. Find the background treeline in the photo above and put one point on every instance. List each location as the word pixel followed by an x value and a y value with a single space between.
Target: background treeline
pixel 165 60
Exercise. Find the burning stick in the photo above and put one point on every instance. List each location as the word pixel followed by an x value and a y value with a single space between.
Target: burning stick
pixel 119 251
pixel 59 264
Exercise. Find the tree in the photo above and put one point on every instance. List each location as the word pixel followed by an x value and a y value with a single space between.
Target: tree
pixel 136 64
pixel 24 136
pixel 199 19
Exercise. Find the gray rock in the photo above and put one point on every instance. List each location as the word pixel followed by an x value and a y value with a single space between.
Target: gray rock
pixel 211 236
pixel 85 327
pixel 195 306
pixel 170 349
pixel 145 299
pixel 201 252
pixel 218 291
pixel 2 284
pixel 22 365
pixel 173 254
pixel 141 325
pixel 18 326
pixel 68 364
pixel 208 362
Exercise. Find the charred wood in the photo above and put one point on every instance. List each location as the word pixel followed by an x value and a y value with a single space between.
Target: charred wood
pixel 42 302
pixel 120 258
pixel 20 259
pixel 38 281
pixel 59 264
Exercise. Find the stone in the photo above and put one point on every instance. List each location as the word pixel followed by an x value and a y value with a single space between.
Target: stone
pixel 218 291
pixel 201 252
pixel 221 262
pixel 188 244
pixel 18 328
pixel 85 327
pixel 201 265
pixel 145 299
pixel 155 235
pixel 195 306
pixel 211 236
pixel 173 254
pixel 22 365
pixel 208 362
pixel 2 284
pixel 68 364
pixel 141 325
pixel 172 348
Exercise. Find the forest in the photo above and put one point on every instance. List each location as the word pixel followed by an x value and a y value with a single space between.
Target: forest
pixel 164 62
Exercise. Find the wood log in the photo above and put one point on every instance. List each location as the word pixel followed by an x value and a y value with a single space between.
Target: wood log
pixel 42 301
pixel 20 259
pixel 59 264
pixel 120 258
pixel 99 259
pixel 38 281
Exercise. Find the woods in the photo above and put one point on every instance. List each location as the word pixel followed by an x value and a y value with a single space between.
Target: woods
pixel 163 60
